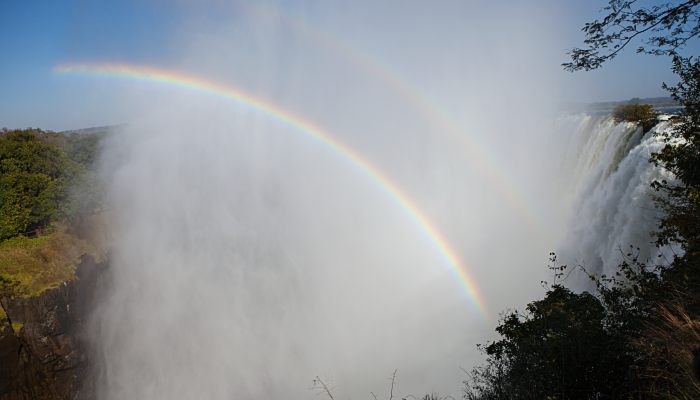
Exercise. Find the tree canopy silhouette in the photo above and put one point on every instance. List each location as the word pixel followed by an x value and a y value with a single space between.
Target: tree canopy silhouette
pixel 661 29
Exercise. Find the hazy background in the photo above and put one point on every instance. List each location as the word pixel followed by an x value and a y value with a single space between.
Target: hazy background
pixel 249 258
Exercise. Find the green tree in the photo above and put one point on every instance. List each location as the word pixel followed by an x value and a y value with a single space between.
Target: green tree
pixel 662 29
pixel 82 148
pixel 680 197
pixel 641 114
pixel 562 347
pixel 681 156
pixel 35 178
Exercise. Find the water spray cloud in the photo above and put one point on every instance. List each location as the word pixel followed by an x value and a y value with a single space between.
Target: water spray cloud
pixel 393 81
pixel 309 129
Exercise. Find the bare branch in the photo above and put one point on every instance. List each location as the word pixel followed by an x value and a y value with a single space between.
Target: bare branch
pixel 393 380
pixel 321 386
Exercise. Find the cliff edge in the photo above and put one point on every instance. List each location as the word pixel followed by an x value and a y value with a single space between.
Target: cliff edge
pixel 43 348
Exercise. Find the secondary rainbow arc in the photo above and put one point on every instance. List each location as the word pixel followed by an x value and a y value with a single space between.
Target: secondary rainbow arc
pixel 306 127
pixel 393 80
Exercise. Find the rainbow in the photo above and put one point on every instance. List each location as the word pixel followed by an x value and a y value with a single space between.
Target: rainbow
pixel 392 80
pixel 301 125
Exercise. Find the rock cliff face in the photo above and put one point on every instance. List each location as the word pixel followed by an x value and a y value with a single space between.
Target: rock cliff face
pixel 43 348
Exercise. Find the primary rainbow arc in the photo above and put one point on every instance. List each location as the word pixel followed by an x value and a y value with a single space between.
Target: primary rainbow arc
pixel 301 125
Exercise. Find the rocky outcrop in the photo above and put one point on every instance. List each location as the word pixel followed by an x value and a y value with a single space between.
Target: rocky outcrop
pixel 43 348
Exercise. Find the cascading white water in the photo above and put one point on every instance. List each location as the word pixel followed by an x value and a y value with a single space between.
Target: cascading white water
pixel 607 176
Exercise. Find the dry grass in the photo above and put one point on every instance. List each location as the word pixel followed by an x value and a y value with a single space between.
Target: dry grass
pixel 30 266
pixel 670 341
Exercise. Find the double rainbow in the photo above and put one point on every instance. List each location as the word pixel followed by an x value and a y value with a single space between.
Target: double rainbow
pixel 305 127
pixel 393 81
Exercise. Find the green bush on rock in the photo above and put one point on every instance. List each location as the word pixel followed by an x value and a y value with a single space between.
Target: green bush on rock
pixel 642 114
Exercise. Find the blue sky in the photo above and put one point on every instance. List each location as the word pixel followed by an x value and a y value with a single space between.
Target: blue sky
pixel 36 35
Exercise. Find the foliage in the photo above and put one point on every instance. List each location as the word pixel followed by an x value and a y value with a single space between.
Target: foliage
pixel 681 156
pixel 619 342
pixel 636 335
pixel 680 198
pixel 642 114
pixel 664 29
pixel 38 180
pixel 48 197
pixel 563 347
pixel 82 148
pixel 32 176
pixel 669 341
pixel 28 266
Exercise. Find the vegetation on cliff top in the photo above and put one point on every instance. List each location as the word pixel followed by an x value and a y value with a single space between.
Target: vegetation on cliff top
pixel 28 266
pixel 44 177
pixel 49 193
pixel 641 114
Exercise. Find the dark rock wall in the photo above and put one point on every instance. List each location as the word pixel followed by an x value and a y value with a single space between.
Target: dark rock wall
pixel 45 355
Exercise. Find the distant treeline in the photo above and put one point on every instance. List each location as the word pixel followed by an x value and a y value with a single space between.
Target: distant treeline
pixel 655 102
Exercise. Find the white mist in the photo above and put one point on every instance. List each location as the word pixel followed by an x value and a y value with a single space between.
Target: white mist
pixel 249 258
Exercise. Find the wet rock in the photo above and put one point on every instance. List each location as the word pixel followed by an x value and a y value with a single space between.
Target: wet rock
pixel 43 348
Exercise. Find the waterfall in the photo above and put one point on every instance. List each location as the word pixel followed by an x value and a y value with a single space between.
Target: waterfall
pixel 607 183
pixel 246 261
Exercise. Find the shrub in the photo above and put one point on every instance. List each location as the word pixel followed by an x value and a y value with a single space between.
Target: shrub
pixel 39 173
pixel 642 114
